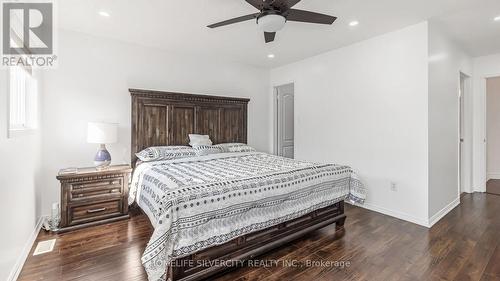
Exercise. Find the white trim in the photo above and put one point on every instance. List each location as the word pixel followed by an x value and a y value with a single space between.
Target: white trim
pixel 396 214
pixel 406 217
pixel 275 120
pixel 443 212
pixel 483 154
pixel 493 176
pixel 18 266
pixel 465 169
pixel 275 116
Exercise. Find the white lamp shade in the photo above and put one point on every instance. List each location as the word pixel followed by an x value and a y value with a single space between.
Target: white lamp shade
pixel 271 23
pixel 102 133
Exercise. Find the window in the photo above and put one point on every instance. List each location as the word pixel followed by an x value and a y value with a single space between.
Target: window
pixel 23 99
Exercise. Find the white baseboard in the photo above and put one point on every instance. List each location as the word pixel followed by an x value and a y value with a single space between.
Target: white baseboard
pixel 396 214
pixel 439 215
pixel 18 266
pixel 493 176
pixel 406 217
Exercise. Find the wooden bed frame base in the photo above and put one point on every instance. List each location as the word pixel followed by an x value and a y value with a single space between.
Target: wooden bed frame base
pixel 194 267
pixel 165 118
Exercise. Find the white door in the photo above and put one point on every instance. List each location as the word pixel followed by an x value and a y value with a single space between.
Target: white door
pixel 285 124
pixel 462 130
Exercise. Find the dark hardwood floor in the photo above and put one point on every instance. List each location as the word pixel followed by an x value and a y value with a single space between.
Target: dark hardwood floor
pixel 464 245
pixel 493 187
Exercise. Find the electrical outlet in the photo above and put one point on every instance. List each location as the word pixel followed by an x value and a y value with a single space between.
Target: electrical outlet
pixel 394 187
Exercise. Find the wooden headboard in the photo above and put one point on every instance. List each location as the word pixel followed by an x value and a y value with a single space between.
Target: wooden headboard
pixel 164 118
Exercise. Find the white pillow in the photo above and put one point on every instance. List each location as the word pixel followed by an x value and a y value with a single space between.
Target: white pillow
pixel 237 147
pixel 195 139
pixel 202 150
pixel 155 153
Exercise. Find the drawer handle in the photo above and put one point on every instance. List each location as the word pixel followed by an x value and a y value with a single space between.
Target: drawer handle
pixel 96 210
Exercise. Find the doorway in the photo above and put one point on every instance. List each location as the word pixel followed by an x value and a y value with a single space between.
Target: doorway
pixel 284 121
pixel 493 135
pixel 462 172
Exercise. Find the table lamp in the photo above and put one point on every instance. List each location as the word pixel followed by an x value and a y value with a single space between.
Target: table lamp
pixel 102 134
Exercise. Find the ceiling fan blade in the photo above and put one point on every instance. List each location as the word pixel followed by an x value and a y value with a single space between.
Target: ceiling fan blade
pixel 292 3
pixel 269 36
pixel 235 20
pixel 284 5
pixel 258 4
pixel 310 17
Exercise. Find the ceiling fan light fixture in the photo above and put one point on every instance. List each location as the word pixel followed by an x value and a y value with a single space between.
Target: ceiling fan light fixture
pixel 271 23
pixel 273 15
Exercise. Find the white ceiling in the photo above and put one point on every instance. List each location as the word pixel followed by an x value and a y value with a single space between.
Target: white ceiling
pixel 180 25
pixel 474 29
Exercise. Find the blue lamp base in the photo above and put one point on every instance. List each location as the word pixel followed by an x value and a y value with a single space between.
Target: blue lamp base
pixel 102 159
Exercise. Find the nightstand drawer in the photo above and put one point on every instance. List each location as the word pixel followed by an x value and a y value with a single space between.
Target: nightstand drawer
pixel 96 189
pixel 91 197
pixel 96 211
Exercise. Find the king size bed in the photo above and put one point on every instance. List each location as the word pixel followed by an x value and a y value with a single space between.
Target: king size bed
pixel 211 212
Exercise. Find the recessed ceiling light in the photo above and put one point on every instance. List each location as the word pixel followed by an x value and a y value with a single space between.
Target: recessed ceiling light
pixel 271 56
pixel 497 18
pixel 354 23
pixel 104 14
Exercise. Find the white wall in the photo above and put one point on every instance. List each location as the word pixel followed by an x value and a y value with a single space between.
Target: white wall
pixel 19 192
pixel 366 106
pixel 493 127
pixel 484 67
pixel 446 61
pixel 92 82
pixel 376 105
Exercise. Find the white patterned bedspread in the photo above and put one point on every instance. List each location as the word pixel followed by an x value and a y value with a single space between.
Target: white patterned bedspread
pixel 199 202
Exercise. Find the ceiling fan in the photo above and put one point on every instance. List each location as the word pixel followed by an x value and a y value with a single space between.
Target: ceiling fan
pixel 274 14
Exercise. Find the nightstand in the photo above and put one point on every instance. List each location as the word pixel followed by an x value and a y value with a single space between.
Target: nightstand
pixel 91 197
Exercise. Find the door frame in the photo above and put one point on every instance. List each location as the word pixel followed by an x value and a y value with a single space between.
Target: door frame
pixel 464 164
pixel 275 115
pixel 484 168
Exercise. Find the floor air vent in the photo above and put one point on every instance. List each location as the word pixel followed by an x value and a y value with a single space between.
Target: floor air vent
pixel 44 247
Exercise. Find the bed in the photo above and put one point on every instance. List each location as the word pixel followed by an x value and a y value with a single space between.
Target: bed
pixel 210 213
